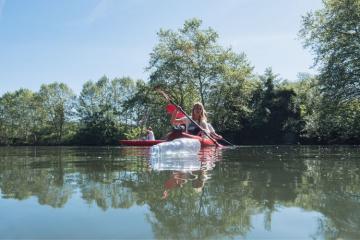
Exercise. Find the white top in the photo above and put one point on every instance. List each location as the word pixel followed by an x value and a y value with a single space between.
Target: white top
pixel 211 128
pixel 188 122
pixel 150 136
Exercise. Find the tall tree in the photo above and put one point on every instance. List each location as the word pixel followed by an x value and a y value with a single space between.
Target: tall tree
pixel 96 113
pixel 189 62
pixel 121 90
pixel 58 102
pixel 263 98
pixel 229 97
pixel 309 98
pixel 147 108
pixel 276 115
pixel 20 118
pixel 333 34
pixel 102 110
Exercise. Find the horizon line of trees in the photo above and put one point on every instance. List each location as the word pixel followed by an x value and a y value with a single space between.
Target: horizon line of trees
pixel 277 112
pixel 191 66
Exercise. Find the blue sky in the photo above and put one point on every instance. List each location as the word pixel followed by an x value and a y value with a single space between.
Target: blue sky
pixel 72 41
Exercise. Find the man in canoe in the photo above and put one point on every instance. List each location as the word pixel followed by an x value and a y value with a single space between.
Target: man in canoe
pixel 150 134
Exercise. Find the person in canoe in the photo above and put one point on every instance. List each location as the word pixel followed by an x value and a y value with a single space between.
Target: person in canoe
pixel 149 134
pixel 198 115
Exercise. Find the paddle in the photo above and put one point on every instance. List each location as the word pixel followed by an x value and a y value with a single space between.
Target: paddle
pixel 223 139
pixel 183 112
pixel 170 108
pixel 218 137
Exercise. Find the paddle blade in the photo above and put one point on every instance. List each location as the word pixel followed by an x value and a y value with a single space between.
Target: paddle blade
pixel 170 108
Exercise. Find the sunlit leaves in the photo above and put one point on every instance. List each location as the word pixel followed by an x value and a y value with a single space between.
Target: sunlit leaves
pixel 58 103
pixel 333 34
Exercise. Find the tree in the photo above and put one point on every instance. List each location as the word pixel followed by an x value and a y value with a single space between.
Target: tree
pixel 338 123
pixel 20 117
pixel 58 103
pixel 333 34
pixel 96 113
pixel 309 98
pixel 146 108
pixel 190 62
pixel 276 114
pixel 323 120
pixel 122 89
pixel 103 110
pixel 229 97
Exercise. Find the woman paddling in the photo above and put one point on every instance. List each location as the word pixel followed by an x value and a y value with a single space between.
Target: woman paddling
pixel 198 115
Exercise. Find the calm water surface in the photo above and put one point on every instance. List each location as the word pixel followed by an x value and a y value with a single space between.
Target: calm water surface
pixel 243 193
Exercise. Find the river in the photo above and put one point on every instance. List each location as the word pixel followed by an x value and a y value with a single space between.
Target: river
pixel 246 192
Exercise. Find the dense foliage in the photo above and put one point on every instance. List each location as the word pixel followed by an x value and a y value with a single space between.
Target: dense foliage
pixel 190 65
pixel 333 33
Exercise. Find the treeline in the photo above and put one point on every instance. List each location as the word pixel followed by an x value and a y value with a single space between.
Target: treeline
pixel 263 111
pixel 191 66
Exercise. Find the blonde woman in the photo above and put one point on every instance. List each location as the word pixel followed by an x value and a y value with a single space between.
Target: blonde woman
pixel 198 116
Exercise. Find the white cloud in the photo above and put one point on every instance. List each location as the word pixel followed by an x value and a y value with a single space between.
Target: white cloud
pixel 101 10
pixel 2 5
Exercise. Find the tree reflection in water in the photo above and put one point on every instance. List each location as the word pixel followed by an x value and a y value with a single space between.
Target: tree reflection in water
pixel 214 196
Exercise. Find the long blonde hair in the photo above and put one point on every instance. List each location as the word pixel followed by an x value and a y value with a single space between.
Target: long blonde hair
pixel 203 115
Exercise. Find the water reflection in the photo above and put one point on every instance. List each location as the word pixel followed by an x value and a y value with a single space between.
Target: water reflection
pixel 216 194
pixel 188 169
pixel 183 163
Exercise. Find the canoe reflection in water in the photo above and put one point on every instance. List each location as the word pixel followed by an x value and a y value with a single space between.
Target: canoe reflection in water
pixel 192 169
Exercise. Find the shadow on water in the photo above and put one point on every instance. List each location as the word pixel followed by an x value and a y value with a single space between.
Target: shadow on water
pixel 215 194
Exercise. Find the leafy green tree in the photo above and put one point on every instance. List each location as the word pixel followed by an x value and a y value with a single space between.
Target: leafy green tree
pixel 189 62
pixel 121 90
pixel 325 121
pixel 59 104
pixel 339 123
pixel 263 98
pixel 333 34
pixel 20 118
pixel 309 98
pixel 96 113
pixel 276 115
pixel 229 98
pixel 103 110
pixel 147 108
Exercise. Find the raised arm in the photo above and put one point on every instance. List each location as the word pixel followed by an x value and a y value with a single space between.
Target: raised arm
pixel 177 121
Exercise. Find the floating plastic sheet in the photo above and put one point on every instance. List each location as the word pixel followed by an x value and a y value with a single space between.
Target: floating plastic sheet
pixel 177 147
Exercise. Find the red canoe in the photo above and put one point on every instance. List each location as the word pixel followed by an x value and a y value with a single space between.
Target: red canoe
pixel 140 143
pixel 205 142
